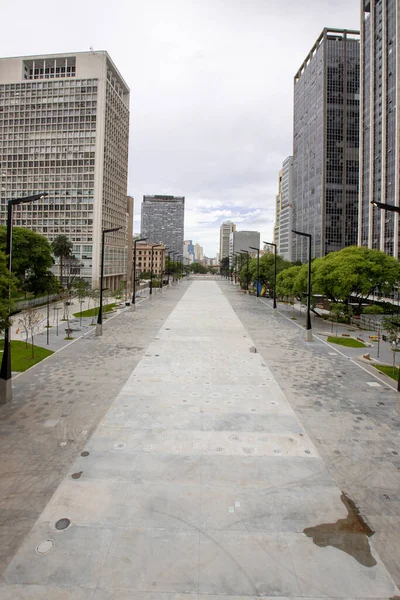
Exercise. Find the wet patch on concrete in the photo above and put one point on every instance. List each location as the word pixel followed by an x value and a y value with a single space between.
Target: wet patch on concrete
pixel 350 535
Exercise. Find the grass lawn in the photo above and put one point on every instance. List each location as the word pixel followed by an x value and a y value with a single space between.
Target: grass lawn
pixel 93 312
pixel 388 370
pixel 349 342
pixel 21 355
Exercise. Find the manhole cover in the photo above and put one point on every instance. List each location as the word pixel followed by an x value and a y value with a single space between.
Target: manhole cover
pixel 63 524
pixel 85 453
pixel 44 547
pixel 76 475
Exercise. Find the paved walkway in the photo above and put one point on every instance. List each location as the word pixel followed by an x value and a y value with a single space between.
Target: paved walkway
pixel 200 479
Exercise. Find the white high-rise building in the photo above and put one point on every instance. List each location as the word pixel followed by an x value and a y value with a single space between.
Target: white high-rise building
pixel 64 130
pixel 224 234
pixel 285 220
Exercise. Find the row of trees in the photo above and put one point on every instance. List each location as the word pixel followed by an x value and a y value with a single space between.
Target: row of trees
pixel 353 273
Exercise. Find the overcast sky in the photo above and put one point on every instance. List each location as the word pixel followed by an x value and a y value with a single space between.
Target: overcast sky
pixel 211 91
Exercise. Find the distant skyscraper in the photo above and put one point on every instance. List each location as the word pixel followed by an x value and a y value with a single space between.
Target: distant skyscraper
pixel 163 219
pixel 242 240
pixel 278 209
pixel 224 233
pixel 326 144
pixel 64 130
pixel 285 224
pixel 198 252
pixel 380 124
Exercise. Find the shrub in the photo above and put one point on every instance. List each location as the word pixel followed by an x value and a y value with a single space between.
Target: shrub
pixel 373 309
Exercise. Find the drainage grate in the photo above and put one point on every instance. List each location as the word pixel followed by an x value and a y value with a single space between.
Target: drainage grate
pixel 63 524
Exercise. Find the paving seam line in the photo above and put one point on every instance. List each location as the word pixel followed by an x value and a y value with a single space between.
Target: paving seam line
pixel 336 350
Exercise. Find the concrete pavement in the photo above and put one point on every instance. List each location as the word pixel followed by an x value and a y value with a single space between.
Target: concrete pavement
pixel 201 480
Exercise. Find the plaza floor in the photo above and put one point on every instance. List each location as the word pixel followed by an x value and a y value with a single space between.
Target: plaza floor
pixel 209 470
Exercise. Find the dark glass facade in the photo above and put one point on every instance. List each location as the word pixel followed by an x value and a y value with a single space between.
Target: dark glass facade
pixel 326 145
pixel 163 221
pixel 379 122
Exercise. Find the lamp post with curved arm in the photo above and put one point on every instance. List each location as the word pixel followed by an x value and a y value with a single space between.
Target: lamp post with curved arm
pixel 99 325
pixel 152 266
pixel 133 304
pixel 274 301
pixel 258 267
pixel 309 337
pixel 247 268
pixel 5 369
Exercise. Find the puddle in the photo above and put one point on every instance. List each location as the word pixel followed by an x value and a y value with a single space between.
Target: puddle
pixel 350 535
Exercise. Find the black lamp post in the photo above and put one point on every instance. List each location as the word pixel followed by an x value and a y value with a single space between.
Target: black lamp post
pixel 5 369
pixel 99 325
pixel 247 268
pixel 396 209
pixel 162 266
pixel 274 301
pixel 151 268
pixel 237 254
pixel 133 303
pixel 308 322
pixel 258 267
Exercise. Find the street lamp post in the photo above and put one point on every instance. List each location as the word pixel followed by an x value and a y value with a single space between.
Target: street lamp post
pixel 309 337
pixel 247 268
pixel 396 209
pixel 5 369
pixel 258 267
pixel 238 269
pixel 133 303
pixel 151 268
pixel 274 297
pixel 162 266
pixel 99 325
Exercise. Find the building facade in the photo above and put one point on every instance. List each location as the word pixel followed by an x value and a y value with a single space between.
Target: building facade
pixel 188 252
pixel 285 221
pixel 143 259
pixel 64 130
pixel 224 236
pixel 243 240
pixel 380 124
pixel 163 221
pixel 278 209
pixel 326 145
pixel 198 253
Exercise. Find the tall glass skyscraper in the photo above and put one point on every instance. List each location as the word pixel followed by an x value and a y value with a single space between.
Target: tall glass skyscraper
pixel 64 130
pixel 163 220
pixel 326 144
pixel 380 124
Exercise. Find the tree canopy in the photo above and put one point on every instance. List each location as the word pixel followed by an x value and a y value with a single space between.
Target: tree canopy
pixel 266 274
pixel 31 258
pixel 356 271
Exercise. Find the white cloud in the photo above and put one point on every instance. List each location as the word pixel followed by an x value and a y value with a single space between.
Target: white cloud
pixel 211 86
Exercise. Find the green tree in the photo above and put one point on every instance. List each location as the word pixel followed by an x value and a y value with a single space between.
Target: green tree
pixel 392 326
pixel 356 271
pixel 287 284
pixel 40 282
pixel 31 258
pixel 62 249
pixel 7 284
pixel 266 274
pixel 198 268
pixel 373 309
